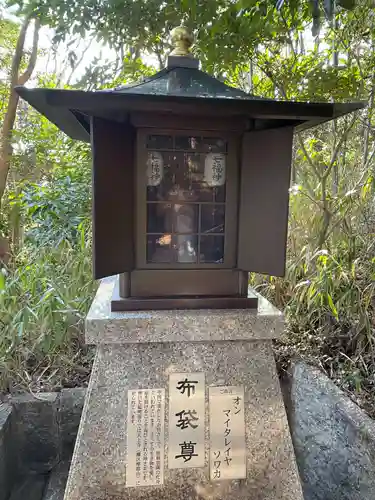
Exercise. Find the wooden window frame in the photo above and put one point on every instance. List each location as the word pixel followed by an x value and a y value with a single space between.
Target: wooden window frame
pixel 231 200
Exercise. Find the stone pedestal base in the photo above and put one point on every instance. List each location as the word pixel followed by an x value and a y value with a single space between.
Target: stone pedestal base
pixel 99 463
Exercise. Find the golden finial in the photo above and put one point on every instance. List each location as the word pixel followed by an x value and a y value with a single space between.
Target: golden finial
pixel 182 40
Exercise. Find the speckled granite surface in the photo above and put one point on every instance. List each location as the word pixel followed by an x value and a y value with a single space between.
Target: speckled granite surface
pixel 104 326
pixel 99 462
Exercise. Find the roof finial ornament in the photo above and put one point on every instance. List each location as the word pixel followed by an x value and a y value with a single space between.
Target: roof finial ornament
pixel 182 40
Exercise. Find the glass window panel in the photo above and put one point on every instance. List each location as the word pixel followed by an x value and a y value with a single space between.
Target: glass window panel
pixel 187 143
pixel 186 248
pixel 207 193
pixel 187 168
pixel 212 218
pixel 159 142
pixel 183 168
pixel 167 179
pixel 168 217
pixel 159 217
pixel 185 218
pixel 202 191
pixel 159 248
pixel 211 249
pixel 219 194
pixel 177 176
pixel 154 193
pixel 214 145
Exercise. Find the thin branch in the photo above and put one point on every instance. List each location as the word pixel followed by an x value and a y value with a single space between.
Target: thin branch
pixel 338 222
pixel 369 160
pixel 307 185
pixel 18 53
pixel 269 74
pixel 79 62
pixel 34 52
pixel 366 138
pixel 327 214
pixel 48 55
pixel 289 38
pixel 352 51
pixel 159 50
pixel 367 125
pixel 309 159
pixel 302 43
pixel 339 144
pixel 312 199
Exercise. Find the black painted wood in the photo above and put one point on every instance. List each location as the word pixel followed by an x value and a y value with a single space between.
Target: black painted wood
pixel 185 282
pixel 165 303
pixel 264 201
pixel 113 190
pixel 58 105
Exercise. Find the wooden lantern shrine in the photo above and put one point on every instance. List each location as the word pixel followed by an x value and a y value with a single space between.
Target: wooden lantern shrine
pixel 190 182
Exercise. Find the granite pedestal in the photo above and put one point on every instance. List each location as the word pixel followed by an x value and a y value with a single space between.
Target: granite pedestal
pixel 140 351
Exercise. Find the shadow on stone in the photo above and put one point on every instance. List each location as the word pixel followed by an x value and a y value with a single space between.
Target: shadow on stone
pixel 30 487
pixel 57 480
pixel 36 432
pixel 6 452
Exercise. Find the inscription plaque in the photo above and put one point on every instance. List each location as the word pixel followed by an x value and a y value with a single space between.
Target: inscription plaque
pixel 227 433
pixel 186 447
pixel 145 437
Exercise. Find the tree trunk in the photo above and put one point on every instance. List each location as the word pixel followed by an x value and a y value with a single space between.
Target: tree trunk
pixel 10 115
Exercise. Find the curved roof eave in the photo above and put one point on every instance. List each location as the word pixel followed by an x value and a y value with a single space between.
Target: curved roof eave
pixel 67 108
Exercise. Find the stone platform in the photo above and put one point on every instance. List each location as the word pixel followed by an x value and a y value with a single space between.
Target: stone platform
pixel 105 326
pixel 138 351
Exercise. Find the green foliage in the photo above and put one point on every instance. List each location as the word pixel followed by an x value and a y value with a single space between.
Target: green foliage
pixel 56 211
pixel 102 74
pixel 8 38
pixel 231 28
pixel 44 297
pixel 328 300
pixel 328 290
pixel 47 287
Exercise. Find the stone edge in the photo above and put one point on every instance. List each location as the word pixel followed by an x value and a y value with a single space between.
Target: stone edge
pixel 5 414
pixel 103 326
pixel 6 462
pixel 333 461
pixel 67 408
pixel 348 409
